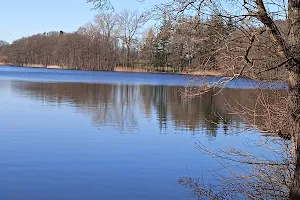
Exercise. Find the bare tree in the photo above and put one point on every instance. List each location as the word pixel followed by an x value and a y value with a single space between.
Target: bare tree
pixel 147 43
pixel 106 24
pixel 101 4
pixel 130 23
pixel 3 46
pixel 254 18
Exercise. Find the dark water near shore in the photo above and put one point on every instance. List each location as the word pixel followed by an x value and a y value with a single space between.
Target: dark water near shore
pixel 103 135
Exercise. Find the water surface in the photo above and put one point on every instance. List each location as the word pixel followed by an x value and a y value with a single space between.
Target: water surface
pixel 103 135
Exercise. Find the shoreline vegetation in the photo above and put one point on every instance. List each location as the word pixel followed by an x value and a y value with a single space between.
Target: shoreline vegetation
pixel 128 69
pixel 172 48
pixel 96 47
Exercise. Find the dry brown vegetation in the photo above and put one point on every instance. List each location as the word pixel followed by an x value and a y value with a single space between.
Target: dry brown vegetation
pixel 3 59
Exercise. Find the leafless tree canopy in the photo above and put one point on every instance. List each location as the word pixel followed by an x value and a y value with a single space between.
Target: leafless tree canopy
pixel 258 45
pixel 101 4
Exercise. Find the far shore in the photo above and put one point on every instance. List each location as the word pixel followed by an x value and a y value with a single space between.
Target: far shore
pixel 135 70
pixel 33 66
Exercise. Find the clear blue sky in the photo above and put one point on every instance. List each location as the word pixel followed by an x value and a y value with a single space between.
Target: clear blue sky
pixel 20 18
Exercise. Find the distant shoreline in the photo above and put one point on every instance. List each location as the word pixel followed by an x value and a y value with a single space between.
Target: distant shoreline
pixel 121 69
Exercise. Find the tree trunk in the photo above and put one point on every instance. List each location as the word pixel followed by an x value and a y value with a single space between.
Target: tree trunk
pixel 128 56
pixel 293 106
pixel 294 91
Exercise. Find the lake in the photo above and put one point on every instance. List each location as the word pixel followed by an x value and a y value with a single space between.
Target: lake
pixel 108 135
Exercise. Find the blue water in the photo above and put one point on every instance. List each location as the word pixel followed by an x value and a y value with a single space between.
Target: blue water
pixel 55 75
pixel 101 135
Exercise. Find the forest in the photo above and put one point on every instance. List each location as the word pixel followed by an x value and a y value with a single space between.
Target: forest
pixel 123 41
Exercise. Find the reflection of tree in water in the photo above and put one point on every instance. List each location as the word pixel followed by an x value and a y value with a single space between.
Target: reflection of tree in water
pixel 121 106
pixel 160 102
pixel 106 104
pixel 206 113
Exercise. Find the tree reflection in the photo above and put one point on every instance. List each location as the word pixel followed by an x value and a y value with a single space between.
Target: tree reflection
pixel 122 106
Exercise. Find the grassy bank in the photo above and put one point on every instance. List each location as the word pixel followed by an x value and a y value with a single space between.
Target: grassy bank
pixel 194 72
pixel 33 66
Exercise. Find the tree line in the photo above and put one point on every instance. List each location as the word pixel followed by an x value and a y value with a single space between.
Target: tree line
pixel 121 40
